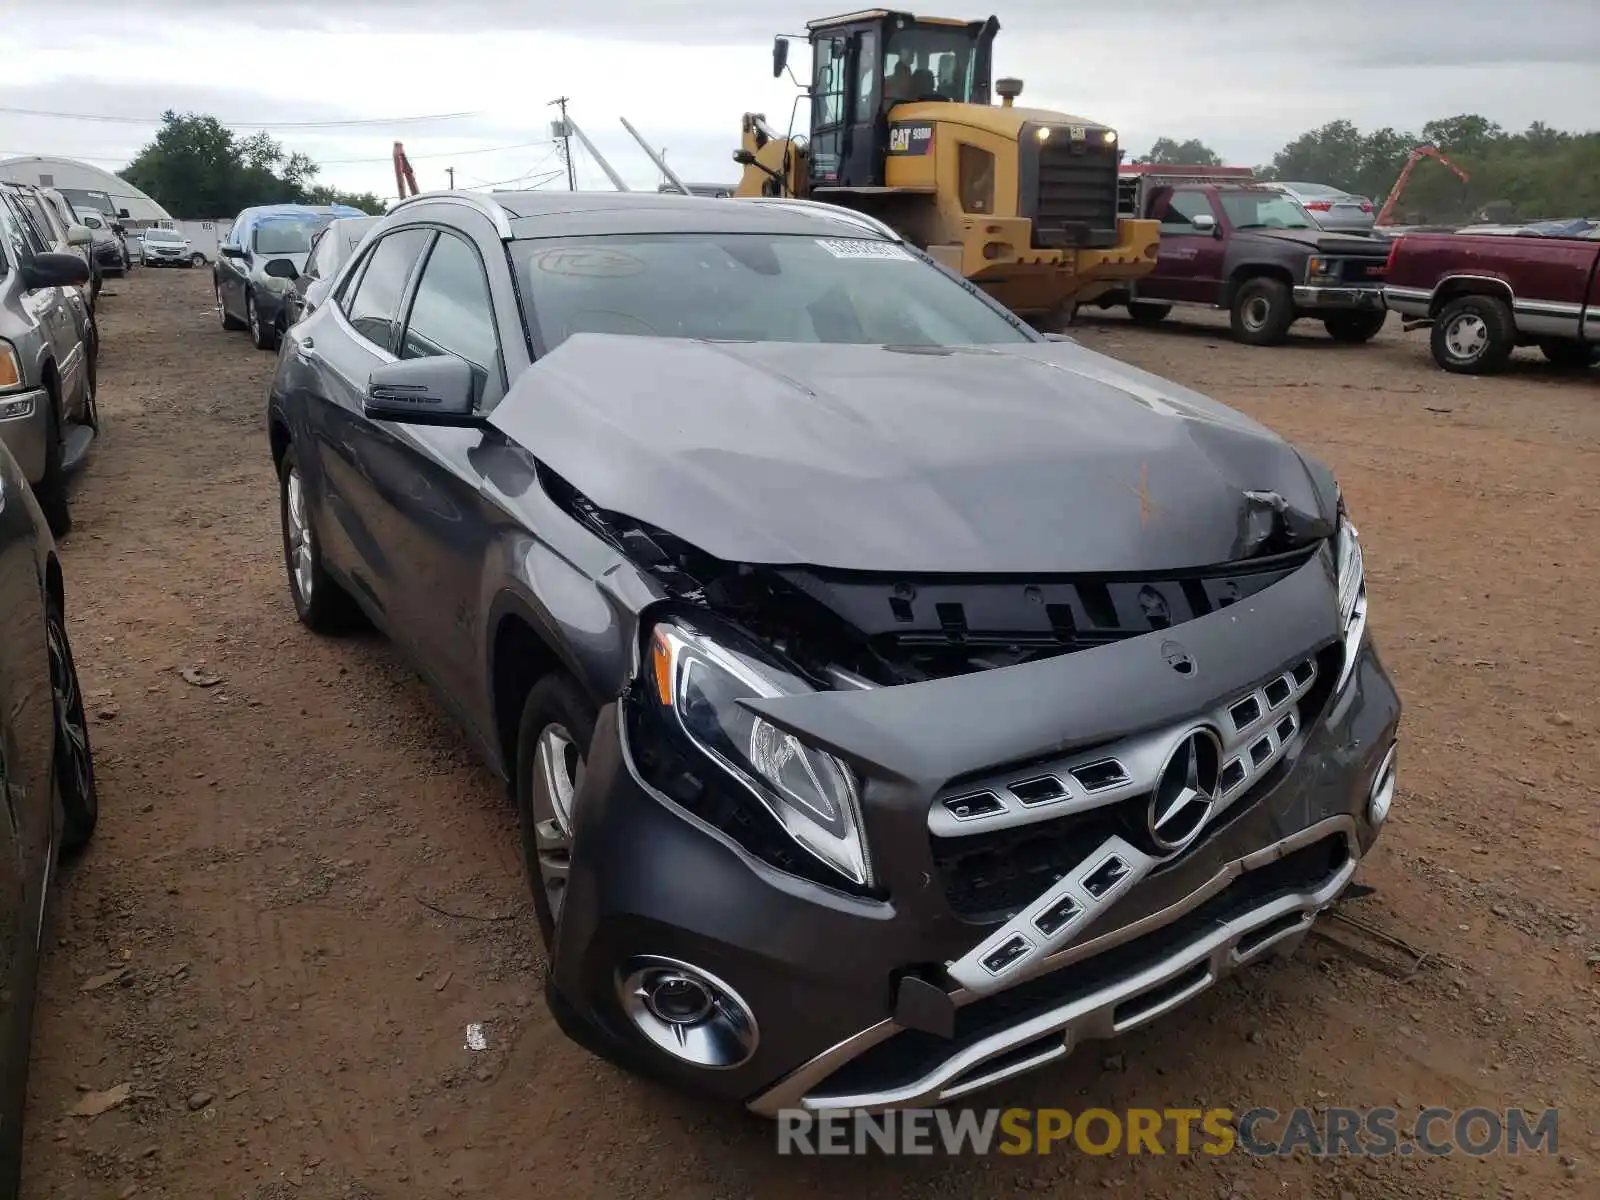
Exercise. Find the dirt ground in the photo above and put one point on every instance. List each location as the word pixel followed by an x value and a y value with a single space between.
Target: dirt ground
pixel 304 887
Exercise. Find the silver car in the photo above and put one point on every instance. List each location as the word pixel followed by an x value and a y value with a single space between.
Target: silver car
pixel 1335 209
pixel 48 348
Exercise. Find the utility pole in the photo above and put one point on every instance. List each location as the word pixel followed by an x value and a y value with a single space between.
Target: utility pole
pixel 565 137
pixel 451 171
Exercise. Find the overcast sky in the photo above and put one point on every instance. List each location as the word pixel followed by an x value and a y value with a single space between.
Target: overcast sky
pixel 1243 75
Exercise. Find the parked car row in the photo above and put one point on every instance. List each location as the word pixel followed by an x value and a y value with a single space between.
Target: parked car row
pixel 849 774
pixel 47 416
pixel 49 348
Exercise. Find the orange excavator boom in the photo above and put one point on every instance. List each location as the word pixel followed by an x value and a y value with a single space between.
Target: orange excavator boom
pixel 1416 156
pixel 404 177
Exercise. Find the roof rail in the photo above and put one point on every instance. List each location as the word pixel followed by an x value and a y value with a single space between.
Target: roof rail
pixel 483 202
pixel 850 215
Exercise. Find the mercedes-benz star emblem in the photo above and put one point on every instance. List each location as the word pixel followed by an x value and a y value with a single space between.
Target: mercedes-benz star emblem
pixel 1186 791
pixel 1177 657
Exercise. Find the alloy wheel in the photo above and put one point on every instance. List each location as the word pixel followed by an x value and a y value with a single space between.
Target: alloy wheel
pixel 299 533
pixel 72 727
pixel 557 774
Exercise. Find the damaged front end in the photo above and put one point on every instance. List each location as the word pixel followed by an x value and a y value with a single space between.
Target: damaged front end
pixel 867 818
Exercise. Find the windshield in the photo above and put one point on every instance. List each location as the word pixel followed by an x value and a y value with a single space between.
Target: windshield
pixel 285 235
pixel 928 60
pixel 81 198
pixel 754 288
pixel 162 235
pixel 1265 210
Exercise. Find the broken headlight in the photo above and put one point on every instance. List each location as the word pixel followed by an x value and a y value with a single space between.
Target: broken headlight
pixel 701 684
pixel 1352 593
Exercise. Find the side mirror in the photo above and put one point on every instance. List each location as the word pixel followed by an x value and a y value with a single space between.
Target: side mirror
pixel 231 251
pixel 780 55
pixel 281 268
pixel 437 390
pixel 79 235
pixel 1205 223
pixel 55 270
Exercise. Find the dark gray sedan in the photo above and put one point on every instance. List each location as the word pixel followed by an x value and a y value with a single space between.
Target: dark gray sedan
pixel 46 776
pixel 892 698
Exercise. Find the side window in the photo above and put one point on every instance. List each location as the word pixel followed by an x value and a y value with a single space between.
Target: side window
pixel 42 224
pixel 374 304
pixel 1181 210
pixel 866 74
pixel 317 259
pixel 452 313
pixel 828 90
pixel 18 250
pixel 25 240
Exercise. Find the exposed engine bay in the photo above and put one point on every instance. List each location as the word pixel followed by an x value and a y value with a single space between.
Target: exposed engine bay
pixel 844 629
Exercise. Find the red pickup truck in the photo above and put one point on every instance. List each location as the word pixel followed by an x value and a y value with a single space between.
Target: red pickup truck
pixel 1483 295
pixel 1253 252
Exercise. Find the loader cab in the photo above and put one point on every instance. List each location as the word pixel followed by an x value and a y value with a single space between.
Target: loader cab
pixel 866 63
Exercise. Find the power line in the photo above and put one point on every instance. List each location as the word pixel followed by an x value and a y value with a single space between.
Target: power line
pixel 351 124
pixel 339 162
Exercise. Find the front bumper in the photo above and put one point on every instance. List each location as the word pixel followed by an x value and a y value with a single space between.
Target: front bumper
pixel 163 259
pixel 1318 298
pixel 25 435
pixel 825 974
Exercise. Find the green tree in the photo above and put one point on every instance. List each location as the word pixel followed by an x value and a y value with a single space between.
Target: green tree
pixel 1542 172
pixel 1168 152
pixel 196 167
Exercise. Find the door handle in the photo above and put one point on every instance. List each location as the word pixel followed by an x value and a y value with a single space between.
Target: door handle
pixel 305 348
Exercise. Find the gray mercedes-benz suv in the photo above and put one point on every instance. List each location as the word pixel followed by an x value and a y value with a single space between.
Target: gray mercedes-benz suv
pixel 892 697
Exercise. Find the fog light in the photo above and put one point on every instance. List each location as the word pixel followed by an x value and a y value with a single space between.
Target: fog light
pixel 1382 797
pixel 687 1012
pixel 12 410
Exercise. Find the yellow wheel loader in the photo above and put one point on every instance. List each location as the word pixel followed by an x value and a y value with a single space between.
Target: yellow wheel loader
pixel 1021 201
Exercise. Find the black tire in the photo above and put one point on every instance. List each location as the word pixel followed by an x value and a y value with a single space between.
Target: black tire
pixel 91 354
pixel 51 490
pixel 1262 311
pixel 74 760
pixel 1473 335
pixel 555 704
pixel 197 260
pixel 1354 328
pixel 1148 312
pixel 263 335
pixel 328 609
pixel 229 322
pixel 1573 356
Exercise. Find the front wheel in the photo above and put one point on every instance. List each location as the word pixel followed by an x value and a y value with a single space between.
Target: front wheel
pixel 229 321
pixel 51 490
pixel 1473 336
pixel 263 334
pixel 1262 311
pixel 74 762
pixel 553 739
pixel 1569 355
pixel 1354 327
pixel 197 260
pixel 320 603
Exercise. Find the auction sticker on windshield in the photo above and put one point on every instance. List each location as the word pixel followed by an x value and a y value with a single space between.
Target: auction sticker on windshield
pixel 861 248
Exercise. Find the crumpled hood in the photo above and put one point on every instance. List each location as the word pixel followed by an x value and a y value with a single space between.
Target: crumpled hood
pixel 1028 458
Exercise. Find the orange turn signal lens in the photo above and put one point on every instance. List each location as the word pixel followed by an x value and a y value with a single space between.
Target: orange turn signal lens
pixel 661 667
pixel 10 368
